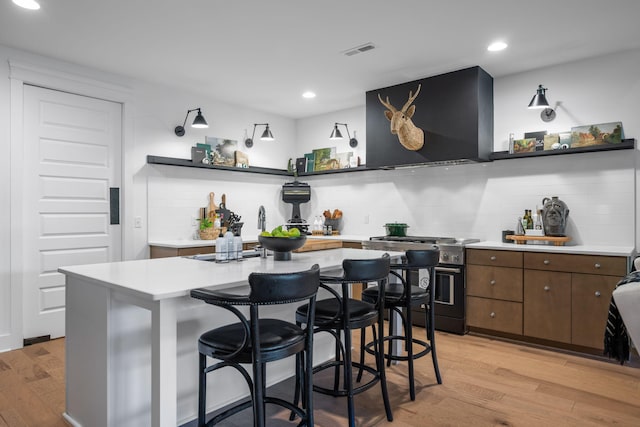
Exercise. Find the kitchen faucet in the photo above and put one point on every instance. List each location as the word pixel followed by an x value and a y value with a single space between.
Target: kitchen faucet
pixel 262 219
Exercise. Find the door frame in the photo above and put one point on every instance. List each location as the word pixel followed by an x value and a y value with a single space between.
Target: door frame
pixel 21 73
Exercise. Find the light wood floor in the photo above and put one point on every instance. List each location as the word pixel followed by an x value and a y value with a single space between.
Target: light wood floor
pixel 485 383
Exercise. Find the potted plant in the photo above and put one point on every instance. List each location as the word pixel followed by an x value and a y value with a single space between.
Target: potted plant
pixel 207 231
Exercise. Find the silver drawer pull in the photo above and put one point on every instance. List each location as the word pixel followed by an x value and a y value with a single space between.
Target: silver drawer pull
pixel 422 306
pixel 597 293
pixel 493 314
pixel 546 262
pixel 493 258
pixel 547 288
pixel 492 282
pixel 597 265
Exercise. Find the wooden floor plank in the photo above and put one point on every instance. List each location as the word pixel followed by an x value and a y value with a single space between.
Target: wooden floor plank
pixel 486 382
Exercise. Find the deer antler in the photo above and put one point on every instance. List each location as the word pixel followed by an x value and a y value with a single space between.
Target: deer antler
pixel 411 99
pixel 387 104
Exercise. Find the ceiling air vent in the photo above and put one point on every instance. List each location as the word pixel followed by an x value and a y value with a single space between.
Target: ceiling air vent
pixel 359 49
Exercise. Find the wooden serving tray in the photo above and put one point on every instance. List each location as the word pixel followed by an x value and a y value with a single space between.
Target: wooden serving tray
pixel 557 241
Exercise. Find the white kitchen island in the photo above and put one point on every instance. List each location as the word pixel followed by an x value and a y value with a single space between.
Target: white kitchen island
pixel 132 330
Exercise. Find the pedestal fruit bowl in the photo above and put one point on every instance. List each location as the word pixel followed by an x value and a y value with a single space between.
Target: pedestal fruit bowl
pixel 282 242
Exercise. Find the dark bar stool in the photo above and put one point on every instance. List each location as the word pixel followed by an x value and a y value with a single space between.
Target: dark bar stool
pixel 257 341
pixel 338 316
pixel 401 298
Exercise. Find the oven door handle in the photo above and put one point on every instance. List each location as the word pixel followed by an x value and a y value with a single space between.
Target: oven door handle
pixel 448 270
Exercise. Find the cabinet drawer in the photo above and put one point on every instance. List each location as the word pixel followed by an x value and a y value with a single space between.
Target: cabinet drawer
pixel 494 258
pixel 503 316
pixel 503 283
pixel 590 264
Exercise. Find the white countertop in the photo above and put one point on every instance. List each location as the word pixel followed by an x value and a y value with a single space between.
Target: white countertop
pixel 575 249
pixel 192 243
pixel 162 278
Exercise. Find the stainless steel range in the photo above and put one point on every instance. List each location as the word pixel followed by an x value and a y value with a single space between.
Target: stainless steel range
pixel 450 289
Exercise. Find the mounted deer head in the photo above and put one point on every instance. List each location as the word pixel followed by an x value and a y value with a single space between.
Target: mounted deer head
pixel 410 136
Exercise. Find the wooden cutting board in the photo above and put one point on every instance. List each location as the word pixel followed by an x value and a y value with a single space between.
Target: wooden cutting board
pixel 319 245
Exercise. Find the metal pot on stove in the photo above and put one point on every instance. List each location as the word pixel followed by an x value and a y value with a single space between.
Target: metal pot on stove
pixel 396 229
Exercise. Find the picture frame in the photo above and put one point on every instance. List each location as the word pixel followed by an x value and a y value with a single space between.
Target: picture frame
pixel 597 134
pixel 222 151
pixel 324 159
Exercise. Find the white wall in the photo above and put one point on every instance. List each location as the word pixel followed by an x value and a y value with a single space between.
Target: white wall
pixel 480 200
pixel 167 197
pixel 465 201
pixel 151 113
pixel 313 132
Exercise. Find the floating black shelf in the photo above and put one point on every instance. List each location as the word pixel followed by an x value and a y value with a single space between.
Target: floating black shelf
pixel 171 161
pixel 626 144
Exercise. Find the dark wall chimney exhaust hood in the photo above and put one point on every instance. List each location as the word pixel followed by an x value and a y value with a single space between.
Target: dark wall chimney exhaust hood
pixel 454 110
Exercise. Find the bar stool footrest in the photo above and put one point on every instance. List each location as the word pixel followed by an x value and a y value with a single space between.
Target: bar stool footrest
pixel 427 348
pixel 342 392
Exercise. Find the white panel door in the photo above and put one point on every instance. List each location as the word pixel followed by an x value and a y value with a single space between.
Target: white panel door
pixel 72 148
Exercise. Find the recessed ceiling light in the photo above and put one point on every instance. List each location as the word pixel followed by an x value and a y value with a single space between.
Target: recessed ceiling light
pixel 309 94
pixel 28 4
pixel 497 46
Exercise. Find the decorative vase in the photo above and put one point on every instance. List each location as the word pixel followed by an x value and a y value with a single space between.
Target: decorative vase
pixel 554 216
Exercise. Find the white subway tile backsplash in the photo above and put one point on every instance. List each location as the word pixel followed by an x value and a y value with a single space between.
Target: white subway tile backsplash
pixel 476 200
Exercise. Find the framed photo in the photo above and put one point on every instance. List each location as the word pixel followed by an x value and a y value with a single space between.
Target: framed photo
pixel 539 137
pixel 222 151
pixel 325 159
pixel 598 134
pixel 527 145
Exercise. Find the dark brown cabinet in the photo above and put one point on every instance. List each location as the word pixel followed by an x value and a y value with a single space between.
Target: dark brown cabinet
pixel 494 290
pixel 558 299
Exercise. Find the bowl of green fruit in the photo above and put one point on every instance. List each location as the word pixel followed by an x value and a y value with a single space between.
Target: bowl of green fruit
pixel 282 242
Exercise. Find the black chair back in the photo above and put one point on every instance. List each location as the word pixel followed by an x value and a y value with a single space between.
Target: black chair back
pixel 283 288
pixel 422 258
pixel 366 270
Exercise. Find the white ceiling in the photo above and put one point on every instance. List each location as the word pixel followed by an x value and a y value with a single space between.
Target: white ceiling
pixel 263 54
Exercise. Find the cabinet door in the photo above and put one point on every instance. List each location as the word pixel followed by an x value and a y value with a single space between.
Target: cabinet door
pixel 547 305
pixel 591 295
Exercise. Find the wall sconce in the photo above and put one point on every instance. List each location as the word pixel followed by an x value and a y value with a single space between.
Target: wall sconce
pixel 336 134
pixel 539 100
pixel 198 122
pixel 266 135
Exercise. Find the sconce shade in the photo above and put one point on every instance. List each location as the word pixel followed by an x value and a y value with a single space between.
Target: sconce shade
pixel 266 135
pixel 198 122
pixel 539 100
pixel 336 134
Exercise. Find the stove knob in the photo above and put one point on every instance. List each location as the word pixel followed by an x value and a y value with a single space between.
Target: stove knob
pixel 455 259
pixel 445 256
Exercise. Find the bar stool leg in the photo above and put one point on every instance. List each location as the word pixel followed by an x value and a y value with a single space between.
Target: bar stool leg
pixel 391 329
pixel 432 342
pixel 408 333
pixel 348 378
pixel 363 333
pixel 202 390
pixel 381 369
pixel 258 394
